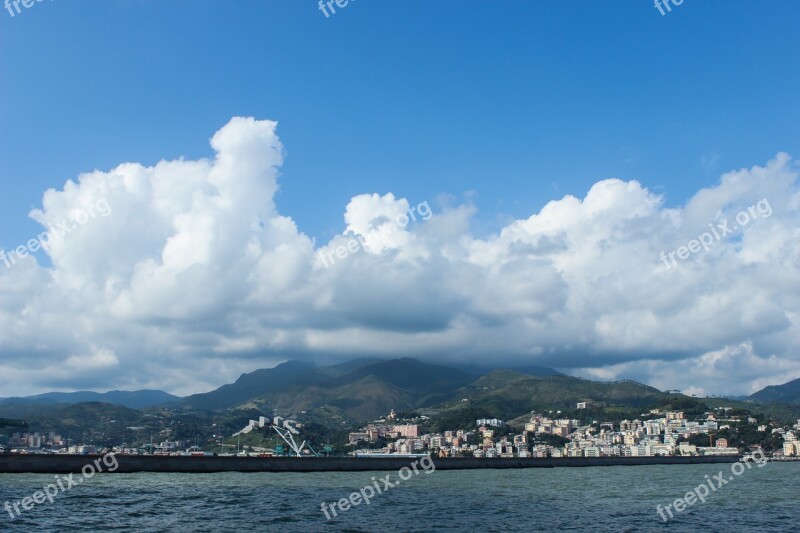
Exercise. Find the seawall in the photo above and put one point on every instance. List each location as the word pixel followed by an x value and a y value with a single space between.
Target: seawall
pixel 66 464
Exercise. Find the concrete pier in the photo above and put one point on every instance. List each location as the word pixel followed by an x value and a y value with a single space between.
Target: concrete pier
pixel 65 464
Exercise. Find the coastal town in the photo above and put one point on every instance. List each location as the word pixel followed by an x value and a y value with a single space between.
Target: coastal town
pixel 665 434
pixel 657 434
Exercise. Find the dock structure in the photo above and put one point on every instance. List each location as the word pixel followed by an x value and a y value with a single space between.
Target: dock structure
pixel 65 464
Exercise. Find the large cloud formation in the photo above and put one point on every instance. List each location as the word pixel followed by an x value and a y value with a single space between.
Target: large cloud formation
pixel 193 276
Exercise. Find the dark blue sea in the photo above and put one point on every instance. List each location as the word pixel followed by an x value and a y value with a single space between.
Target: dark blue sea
pixel 621 498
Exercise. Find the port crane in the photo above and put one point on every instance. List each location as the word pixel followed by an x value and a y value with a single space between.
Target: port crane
pixel 287 434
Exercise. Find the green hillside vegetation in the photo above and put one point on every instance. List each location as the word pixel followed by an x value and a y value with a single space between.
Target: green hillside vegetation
pixel 788 393
pixel 361 390
pixel 508 394
pixel 96 422
pixel 107 424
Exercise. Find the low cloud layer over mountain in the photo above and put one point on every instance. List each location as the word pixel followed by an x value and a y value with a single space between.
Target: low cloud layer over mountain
pixel 193 276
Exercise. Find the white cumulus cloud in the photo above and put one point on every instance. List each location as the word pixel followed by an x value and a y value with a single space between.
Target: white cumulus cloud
pixel 194 276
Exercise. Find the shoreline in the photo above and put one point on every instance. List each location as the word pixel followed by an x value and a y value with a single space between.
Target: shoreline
pixel 66 464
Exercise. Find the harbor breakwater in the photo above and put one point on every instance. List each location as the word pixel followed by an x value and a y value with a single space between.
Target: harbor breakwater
pixel 66 464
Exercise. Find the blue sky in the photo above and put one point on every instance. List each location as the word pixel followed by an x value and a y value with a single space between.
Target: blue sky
pixel 510 118
pixel 520 102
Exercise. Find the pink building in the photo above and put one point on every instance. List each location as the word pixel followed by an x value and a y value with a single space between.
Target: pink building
pixel 407 430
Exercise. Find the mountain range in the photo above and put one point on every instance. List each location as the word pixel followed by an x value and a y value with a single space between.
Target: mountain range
pixel 140 399
pixel 360 389
pixel 788 393
pixel 364 389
